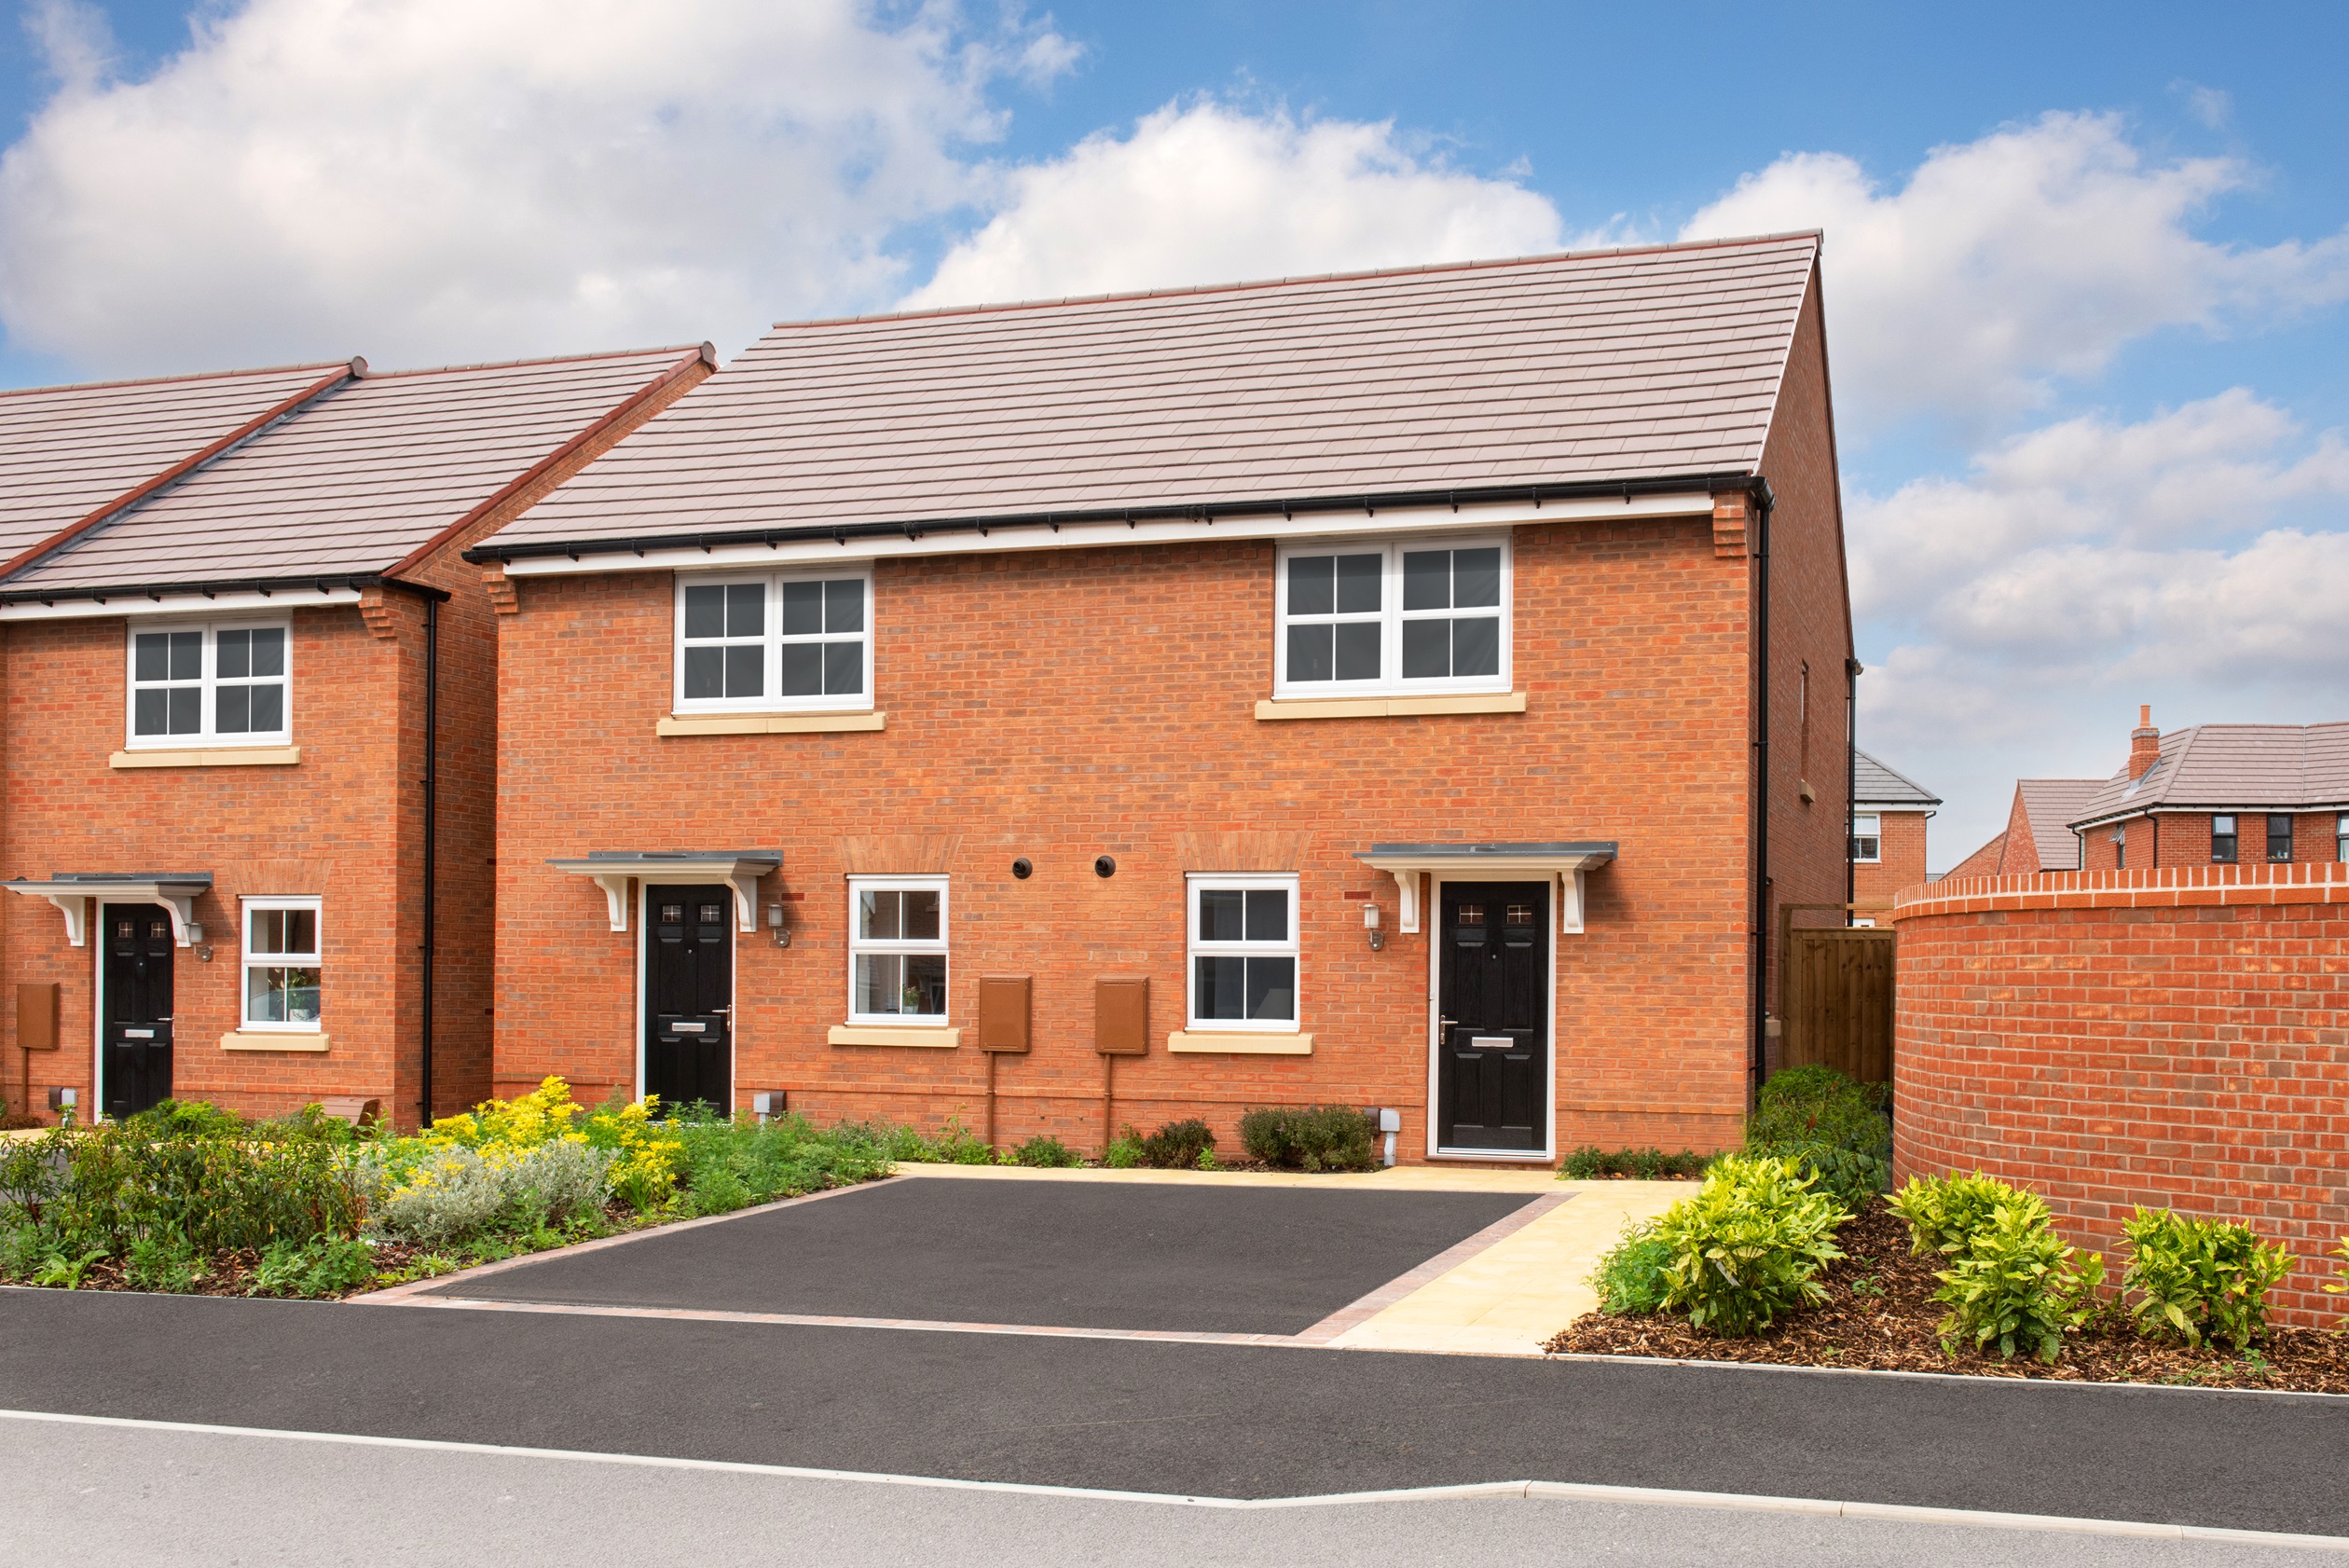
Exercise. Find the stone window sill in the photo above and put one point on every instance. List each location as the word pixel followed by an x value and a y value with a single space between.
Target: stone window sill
pixel 1217 1042
pixel 767 723
pixel 930 1039
pixel 271 1039
pixel 1390 708
pixel 210 756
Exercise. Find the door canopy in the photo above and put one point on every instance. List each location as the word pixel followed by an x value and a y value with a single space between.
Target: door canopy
pixel 1492 862
pixel 613 869
pixel 71 892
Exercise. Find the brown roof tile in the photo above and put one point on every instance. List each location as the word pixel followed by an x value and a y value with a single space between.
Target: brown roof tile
pixel 2287 767
pixel 1610 365
pixel 2049 805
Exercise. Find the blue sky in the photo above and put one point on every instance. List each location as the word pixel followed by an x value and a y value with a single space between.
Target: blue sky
pixel 2087 265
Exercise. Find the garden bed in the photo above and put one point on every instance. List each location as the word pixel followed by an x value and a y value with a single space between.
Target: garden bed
pixel 1879 1314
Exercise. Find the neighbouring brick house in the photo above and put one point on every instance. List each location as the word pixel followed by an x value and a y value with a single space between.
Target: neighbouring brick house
pixel 2038 835
pixel 2222 794
pixel 250 719
pixel 1888 814
pixel 1394 689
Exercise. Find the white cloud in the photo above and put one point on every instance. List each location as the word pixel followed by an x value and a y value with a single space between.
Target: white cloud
pixel 2003 263
pixel 1210 194
pixel 427 179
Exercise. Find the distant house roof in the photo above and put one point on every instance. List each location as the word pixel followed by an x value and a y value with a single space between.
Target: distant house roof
pixel 68 454
pixel 358 480
pixel 2049 805
pixel 1630 365
pixel 1875 784
pixel 2246 767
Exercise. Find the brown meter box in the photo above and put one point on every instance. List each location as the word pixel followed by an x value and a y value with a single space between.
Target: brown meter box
pixel 1121 1015
pixel 36 1014
pixel 1004 1011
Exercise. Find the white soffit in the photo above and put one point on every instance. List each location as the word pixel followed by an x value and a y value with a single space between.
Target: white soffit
pixel 958 540
pixel 243 602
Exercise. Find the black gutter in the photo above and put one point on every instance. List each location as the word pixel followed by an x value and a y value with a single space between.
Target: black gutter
pixel 1762 501
pixel 431 812
pixel 213 588
pixel 1853 670
pixel 1197 512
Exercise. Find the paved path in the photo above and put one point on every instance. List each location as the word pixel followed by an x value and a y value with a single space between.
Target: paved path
pixel 312 1503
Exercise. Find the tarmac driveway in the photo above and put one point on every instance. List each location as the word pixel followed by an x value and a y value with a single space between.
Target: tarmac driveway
pixel 1234 1259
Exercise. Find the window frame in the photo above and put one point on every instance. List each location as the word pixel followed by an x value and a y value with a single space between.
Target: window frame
pixel 1194 949
pixel 2341 837
pixel 900 946
pixel 772 641
pixel 208 684
pixel 1391 616
pixel 2272 856
pixel 2121 847
pixel 249 905
pixel 1877 836
pixel 2234 836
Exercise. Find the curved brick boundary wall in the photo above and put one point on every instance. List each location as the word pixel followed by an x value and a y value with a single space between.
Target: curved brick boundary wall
pixel 2173 1038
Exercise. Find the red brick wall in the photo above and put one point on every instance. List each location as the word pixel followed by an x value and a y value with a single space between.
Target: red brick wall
pixel 1900 864
pixel 2183 839
pixel 1062 705
pixel 2147 1038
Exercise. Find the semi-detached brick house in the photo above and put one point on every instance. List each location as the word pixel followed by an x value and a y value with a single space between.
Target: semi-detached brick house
pixel 2222 794
pixel 2038 835
pixel 1888 814
pixel 250 719
pixel 1386 689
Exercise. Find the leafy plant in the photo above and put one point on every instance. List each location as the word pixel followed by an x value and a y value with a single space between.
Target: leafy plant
pixel 57 1270
pixel 1837 1128
pixel 1633 1275
pixel 456 1194
pixel 1944 1212
pixel 328 1266
pixel 1123 1154
pixel 1748 1245
pixel 2199 1279
pixel 1044 1152
pixel 2341 1287
pixel 217 1192
pixel 162 1262
pixel 187 1119
pixel 2014 1284
pixel 1177 1145
pixel 22 1249
pixel 1311 1138
pixel 32 1170
pixel 1592 1163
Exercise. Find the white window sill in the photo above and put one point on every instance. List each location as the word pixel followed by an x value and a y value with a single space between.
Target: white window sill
pixel 1391 706
pixel 767 723
pixel 273 1039
pixel 929 1038
pixel 1232 1042
pixel 210 756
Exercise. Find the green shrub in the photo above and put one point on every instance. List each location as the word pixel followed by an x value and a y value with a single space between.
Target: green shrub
pixel 456 1194
pixel 1125 1154
pixel 2200 1279
pixel 1311 1138
pixel 22 1249
pixel 216 1193
pixel 1633 1275
pixel 1178 1146
pixel 1592 1163
pixel 1747 1245
pixel 328 1266
pixel 1835 1128
pixel 2339 1287
pixel 1046 1153
pixel 1944 1212
pixel 2013 1282
pixel 186 1118
pixel 163 1262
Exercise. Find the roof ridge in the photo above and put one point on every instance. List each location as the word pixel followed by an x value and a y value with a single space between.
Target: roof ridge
pixel 1298 280
pixel 170 381
pixel 1896 772
pixel 709 352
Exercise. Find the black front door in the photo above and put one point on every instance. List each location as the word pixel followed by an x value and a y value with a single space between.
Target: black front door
pixel 689 995
pixel 1494 988
pixel 138 1012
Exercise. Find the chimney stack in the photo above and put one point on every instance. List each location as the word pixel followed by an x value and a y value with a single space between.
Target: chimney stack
pixel 2144 743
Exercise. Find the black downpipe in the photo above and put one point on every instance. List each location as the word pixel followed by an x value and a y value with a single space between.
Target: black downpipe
pixel 1853 670
pixel 1762 499
pixel 431 836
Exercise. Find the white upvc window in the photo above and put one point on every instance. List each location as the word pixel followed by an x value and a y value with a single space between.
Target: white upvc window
pixel 1361 619
pixel 1242 952
pixel 1867 837
pixel 897 949
pixel 282 964
pixel 774 641
pixel 209 684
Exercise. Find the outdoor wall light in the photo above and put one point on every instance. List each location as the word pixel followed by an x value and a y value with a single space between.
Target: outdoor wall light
pixel 1105 866
pixel 774 924
pixel 1371 923
pixel 1023 867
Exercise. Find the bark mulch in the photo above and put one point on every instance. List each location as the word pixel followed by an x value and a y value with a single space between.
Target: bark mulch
pixel 1879 1313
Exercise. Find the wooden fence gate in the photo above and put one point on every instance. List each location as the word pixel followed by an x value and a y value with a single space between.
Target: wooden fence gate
pixel 1835 999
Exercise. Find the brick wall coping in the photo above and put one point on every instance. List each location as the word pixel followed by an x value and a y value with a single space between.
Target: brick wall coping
pixel 2148 888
